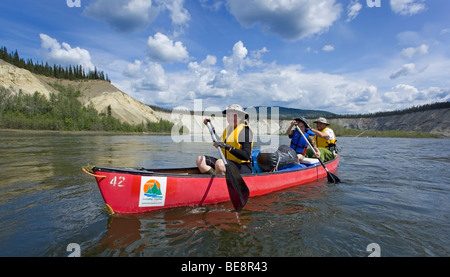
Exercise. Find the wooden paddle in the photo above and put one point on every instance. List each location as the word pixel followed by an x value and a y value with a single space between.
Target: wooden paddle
pixel 331 177
pixel 238 190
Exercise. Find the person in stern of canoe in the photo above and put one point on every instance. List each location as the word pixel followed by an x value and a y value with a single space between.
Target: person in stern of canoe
pixel 298 143
pixel 325 139
pixel 236 144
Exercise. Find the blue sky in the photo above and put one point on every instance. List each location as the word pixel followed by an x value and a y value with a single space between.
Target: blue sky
pixel 346 57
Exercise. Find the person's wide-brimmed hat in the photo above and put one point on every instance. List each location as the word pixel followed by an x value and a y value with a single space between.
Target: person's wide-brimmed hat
pixel 304 120
pixel 322 120
pixel 236 108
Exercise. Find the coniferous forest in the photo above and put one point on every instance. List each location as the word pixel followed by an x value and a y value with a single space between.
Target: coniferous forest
pixel 71 72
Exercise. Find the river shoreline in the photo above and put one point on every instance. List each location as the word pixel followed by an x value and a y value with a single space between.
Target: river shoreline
pixel 113 133
pixel 53 132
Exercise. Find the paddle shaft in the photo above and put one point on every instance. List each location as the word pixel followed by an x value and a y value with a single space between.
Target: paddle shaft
pixel 330 176
pixel 307 141
pixel 235 182
pixel 214 138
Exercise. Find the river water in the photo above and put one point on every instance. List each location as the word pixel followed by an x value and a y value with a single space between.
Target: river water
pixel 394 200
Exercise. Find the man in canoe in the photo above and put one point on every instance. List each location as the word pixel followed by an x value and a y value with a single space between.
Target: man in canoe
pixel 298 143
pixel 325 139
pixel 236 144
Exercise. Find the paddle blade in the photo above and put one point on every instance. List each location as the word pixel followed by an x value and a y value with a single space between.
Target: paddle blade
pixel 333 178
pixel 238 190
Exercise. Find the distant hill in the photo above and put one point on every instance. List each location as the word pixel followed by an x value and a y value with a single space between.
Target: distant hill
pixel 283 112
pixel 99 93
pixel 291 113
pixel 434 121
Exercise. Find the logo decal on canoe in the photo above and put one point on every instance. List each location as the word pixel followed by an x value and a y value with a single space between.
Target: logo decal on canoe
pixel 153 191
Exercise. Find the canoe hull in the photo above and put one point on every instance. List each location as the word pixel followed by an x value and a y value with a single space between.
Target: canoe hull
pixel 127 190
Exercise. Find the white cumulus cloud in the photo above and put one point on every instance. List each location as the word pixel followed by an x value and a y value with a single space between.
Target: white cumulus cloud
pixel 328 48
pixel 404 70
pixel 63 54
pixel 236 61
pixel 402 93
pixel 163 49
pixel 414 51
pixel 408 7
pixel 291 20
pixel 353 9
pixel 123 15
pixel 134 69
pixel 178 13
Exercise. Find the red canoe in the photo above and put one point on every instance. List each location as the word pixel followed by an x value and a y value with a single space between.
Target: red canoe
pixel 137 190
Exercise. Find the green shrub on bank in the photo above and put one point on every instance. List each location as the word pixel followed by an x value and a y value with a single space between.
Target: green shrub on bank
pixel 346 132
pixel 63 112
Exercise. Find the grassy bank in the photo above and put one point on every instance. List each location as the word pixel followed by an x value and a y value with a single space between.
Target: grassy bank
pixel 346 132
